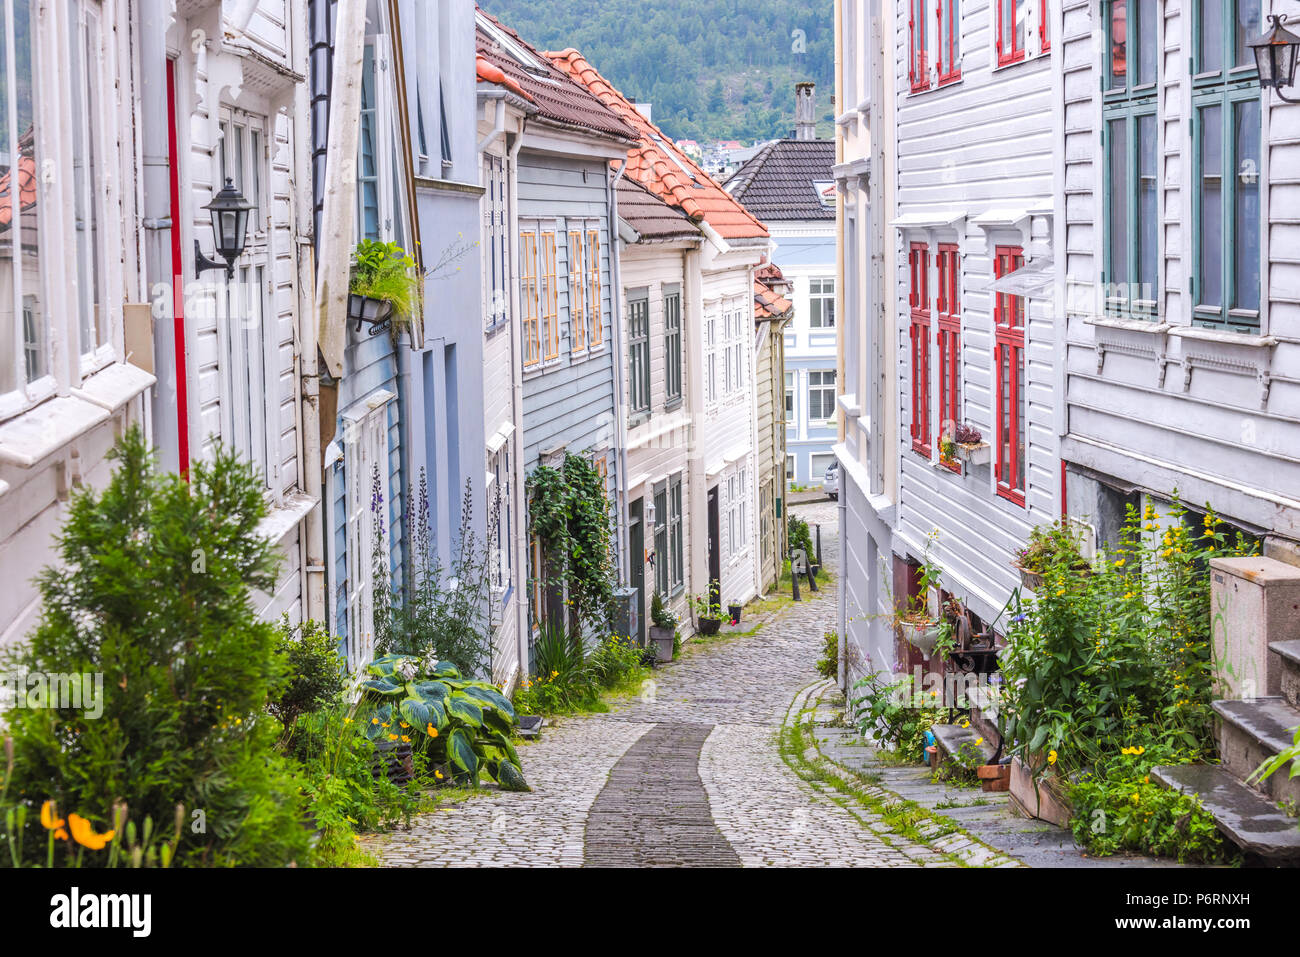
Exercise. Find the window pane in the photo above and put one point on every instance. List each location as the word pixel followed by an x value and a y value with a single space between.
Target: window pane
pixel 1146 33
pixel 85 177
pixel 1211 52
pixel 1117 144
pixel 1147 223
pixel 368 173
pixel 1246 214
pixel 1211 158
pixel 1248 29
pixel 1118 44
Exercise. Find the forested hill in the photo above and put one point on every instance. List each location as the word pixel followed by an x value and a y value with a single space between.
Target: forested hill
pixel 713 69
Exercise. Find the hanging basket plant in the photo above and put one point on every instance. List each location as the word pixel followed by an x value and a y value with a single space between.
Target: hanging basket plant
pixel 385 287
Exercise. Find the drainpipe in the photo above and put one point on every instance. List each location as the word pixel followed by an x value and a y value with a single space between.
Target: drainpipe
pixel 842 646
pixel 158 223
pixel 522 635
pixel 308 364
pixel 616 329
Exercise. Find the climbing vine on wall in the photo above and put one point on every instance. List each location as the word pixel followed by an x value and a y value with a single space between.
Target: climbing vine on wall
pixel 569 514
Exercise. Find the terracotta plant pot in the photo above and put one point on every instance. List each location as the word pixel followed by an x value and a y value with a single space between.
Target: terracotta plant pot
pixel 994 777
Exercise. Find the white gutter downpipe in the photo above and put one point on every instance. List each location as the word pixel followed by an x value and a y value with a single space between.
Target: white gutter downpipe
pixel 620 420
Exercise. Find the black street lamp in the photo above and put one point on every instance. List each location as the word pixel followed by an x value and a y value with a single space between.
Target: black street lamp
pixel 229 212
pixel 1275 57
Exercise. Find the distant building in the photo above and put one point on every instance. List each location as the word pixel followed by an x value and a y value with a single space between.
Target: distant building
pixel 790 185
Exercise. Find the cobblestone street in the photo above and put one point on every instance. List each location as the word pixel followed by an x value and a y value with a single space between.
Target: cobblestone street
pixel 689 774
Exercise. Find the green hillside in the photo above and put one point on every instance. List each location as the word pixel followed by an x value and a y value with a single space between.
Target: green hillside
pixel 713 69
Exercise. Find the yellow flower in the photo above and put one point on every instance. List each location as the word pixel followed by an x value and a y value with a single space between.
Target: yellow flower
pixel 1146 779
pixel 965 724
pixel 979 741
pixel 374 720
pixel 1060 593
pixel 555 674
pixel 1135 798
pixel 438 775
pixel 432 731
pixel 1119 563
pixel 49 819
pixel 85 835
pixel 406 738
pixel 392 737
pixel 1051 757
pixel 404 724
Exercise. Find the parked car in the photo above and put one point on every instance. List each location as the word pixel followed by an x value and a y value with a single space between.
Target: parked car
pixel 831 483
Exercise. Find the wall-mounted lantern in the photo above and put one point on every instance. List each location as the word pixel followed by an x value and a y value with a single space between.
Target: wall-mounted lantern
pixel 229 211
pixel 1275 57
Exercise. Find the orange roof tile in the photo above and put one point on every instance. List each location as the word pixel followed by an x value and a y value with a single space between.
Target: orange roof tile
pixel 26 181
pixel 768 304
pixel 658 164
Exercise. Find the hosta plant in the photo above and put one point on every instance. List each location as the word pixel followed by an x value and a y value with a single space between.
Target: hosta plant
pixel 460 724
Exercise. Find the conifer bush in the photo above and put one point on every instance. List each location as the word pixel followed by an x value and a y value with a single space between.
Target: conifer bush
pixel 154 591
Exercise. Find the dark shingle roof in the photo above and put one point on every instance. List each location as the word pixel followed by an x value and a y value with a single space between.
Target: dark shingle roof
pixel 777 183
pixel 650 216
pixel 556 96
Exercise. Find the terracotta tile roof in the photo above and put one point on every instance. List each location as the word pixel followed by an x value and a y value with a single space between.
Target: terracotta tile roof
pixel 777 182
pixel 650 216
pixel 768 303
pixel 657 163
pixel 556 95
pixel 26 182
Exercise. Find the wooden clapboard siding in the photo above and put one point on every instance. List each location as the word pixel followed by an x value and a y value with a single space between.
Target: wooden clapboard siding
pixel 1214 436
pixel 981 144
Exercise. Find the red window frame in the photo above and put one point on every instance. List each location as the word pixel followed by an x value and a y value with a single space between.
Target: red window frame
pixel 1044 40
pixel 918 74
pixel 948 307
pixel 1009 361
pixel 946 61
pixel 918 300
pixel 1016 53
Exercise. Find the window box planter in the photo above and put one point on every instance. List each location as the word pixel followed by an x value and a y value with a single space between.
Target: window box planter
pixel 708 626
pixel 377 313
pixel 661 639
pixel 974 453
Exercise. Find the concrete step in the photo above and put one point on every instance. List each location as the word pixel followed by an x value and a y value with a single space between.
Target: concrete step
pixel 951 737
pixel 1289 652
pixel 1250 821
pixel 1251 732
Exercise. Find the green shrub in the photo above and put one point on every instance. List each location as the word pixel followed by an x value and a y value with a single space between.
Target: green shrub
pixel 798 536
pixel 385 271
pixel 888 713
pixel 828 665
pixel 153 592
pixel 314 670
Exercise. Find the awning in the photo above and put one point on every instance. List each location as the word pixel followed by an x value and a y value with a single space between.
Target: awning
pixel 1033 280
pixel 928 219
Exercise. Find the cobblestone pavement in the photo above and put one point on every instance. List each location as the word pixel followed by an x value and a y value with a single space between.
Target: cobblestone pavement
pixel 689 773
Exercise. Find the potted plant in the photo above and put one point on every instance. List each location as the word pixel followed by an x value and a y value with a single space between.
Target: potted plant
pixel 919 621
pixel 969 446
pixel 734 609
pixel 708 613
pixel 1050 546
pixel 663 629
pixel 385 286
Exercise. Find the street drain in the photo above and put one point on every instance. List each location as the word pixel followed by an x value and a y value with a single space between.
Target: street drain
pixel 718 701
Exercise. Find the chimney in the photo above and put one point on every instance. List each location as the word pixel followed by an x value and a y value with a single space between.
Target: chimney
pixel 805 111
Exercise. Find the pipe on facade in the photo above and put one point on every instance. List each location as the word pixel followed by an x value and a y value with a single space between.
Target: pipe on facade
pixel 616 328
pixel 159 224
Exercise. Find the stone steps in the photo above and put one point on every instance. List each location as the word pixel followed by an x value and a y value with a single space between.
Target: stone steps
pixel 1289 653
pixel 1251 732
pixel 1252 822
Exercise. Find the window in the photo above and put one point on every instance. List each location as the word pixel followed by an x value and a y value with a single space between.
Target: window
pixel 918 70
pixel 662 560
pixel 789 468
pixel 1044 32
pixel 25 349
pixel 738 511
pixel 948 60
pixel 818 464
pixel 496 229
pixel 711 359
pixel 733 352
pixel 1011 31
pixel 821 395
pixel 789 398
pixel 918 261
pixel 1009 358
pixel 638 360
pixel 549 310
pixel 821 303
pixel 537 580
pixel 500 519
pixel 595 305
pixel 673 344
pixel 577 291
pixel 529 299
pixel 676 529
pixel 365 459
pixel 1226 159
pixel 948 307
pixel 88 186
pixel 1130 141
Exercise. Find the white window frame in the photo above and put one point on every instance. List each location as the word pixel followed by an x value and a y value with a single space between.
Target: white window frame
pixel 365 448
pixel 818 294
pixel 821 388
pixel 500 516
pixel 379 51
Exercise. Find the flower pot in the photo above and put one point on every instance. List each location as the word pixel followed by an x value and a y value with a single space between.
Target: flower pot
pixel 661 639
pixel 1044 799
pixel 994 777
pixel 734 611
pixel 709 626
pixel 366 309
pixel 1030 580
pixel 921 635
pixel 974 453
